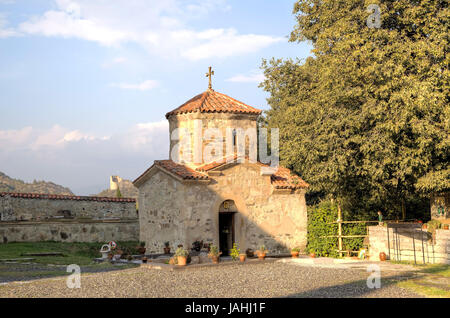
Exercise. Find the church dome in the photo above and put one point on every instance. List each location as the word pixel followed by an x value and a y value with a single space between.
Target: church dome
pixel 211 101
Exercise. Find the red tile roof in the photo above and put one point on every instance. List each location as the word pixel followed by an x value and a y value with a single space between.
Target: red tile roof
pixel 181 170
pixel 211 101
pixel 283 178
pixel 63 197
pixel 216 164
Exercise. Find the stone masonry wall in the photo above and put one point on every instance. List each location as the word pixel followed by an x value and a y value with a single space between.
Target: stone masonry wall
pixel 400 245
pixel 221 121
pixel 76 231
pixel 183 212
pixel 29 217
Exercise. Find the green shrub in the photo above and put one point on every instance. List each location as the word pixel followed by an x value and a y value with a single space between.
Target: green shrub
pixel 433 225
pixel 214 250
pixel 320 226
pixel 181 252
pixel 353 243
pixel 234 253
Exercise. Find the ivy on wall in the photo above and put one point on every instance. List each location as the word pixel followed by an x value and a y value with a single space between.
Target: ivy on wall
pixel 321 230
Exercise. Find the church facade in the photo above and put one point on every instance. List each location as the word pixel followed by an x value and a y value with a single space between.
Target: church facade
pixel 221 201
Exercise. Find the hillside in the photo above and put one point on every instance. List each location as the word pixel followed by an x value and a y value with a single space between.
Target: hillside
pixel 127 190
pixel 8 184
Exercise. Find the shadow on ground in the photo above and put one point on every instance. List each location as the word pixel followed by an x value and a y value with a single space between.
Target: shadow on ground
pixel 355 288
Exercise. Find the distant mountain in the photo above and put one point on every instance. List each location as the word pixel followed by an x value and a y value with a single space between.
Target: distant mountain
pixel 127 189
pixel 8 184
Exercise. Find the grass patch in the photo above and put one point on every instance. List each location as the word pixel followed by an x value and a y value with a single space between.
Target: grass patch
pixel 426 291
pixel 437 269
pixel 406 263
pixel 73 253
pixel 81 254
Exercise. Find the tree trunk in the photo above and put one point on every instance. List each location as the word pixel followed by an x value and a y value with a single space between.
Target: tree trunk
pixel 403 210
pixel 339 229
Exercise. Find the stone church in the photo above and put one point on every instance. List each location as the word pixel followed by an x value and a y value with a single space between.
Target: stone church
pixel 223 201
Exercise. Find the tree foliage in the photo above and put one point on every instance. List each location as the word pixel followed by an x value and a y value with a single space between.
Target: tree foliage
pixel 366 118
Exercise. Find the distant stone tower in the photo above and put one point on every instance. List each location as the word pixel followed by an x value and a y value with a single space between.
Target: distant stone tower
pixel 114 182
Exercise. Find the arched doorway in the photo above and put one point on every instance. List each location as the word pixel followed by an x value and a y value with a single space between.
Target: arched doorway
pixel 227 211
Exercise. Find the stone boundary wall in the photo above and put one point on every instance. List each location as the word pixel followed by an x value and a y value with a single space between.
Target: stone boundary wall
pixel 398 244
pixel 44 217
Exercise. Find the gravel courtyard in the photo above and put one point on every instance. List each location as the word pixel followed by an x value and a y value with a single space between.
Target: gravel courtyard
pixel 268 279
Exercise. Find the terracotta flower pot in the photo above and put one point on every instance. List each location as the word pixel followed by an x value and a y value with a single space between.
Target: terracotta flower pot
pixel 382 256
pixel 446 227
pixel 182 260
pixel 261 255
pixel 294 254
pixel 141 250
pixel 215 259
pixel 424 226
pixel 242 257
pixel 312 255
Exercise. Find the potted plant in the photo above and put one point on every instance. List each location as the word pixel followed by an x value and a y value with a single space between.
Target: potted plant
pixel 295 251
pixel 249 252
pixel 445 227
pixel 242 257
pixel 144 260
pixel 262 252
pixel 181 254
pixel 167 247
pixel 214 254
pixel 234 253
pixel 141 248
pixel 312 253
pixel 424 226
pixel 197 246
pixel 382 256
pixel 117 255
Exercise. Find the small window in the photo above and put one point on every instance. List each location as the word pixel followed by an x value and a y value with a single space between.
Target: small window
pixel 234 137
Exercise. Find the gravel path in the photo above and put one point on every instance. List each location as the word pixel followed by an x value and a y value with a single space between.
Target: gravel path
pixel 249 280
pixel 25 272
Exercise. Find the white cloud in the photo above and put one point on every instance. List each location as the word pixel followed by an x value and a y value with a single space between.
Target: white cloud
pixel 69 24
pixel 144 86
pixel 253 77
pixel 119 60
pixel 80 159
pixel 203 7
pixel 225 43
pixel 162 27
pixel 114 61
pixel 6 32
pixel 14 139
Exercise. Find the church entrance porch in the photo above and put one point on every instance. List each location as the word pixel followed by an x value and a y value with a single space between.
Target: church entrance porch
pixel 226 232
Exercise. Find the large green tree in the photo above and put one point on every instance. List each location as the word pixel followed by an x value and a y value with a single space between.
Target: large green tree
pixel 366 118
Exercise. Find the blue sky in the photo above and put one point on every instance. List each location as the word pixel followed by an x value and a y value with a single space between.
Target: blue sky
pixel 85 84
